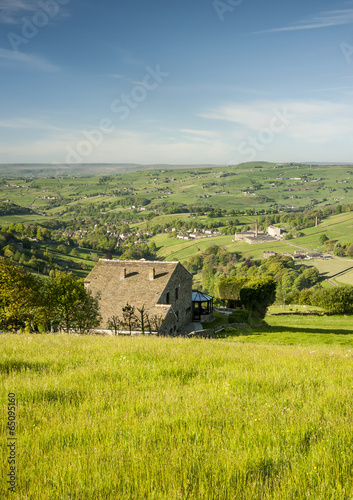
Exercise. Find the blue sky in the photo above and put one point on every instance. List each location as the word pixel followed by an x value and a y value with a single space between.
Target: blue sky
pixel 175 81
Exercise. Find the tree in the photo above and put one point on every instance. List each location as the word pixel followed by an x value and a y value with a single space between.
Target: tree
pixel 312 276
pixel 129 318
pixel 323 238
pixel 305 297
pixel 330 244
pixel 114 323
pixel 19 291
pixel 87 313
pixel 349 250
pixel 142 319
pixel 66 300
pixel 63 249
pixel 338 300
pixel 228 289
pixel 155 323
pixel 257 295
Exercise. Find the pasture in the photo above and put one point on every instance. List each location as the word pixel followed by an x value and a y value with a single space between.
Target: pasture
pixel 172 418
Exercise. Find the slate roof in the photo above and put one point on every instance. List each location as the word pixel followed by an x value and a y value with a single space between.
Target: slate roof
pixel 136 287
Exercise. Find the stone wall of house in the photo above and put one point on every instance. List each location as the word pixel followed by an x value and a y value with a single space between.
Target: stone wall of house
pixel 178 293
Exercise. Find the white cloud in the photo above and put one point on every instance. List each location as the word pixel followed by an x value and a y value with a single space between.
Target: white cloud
pixel 201 133
pixel 30 60
pixel 123 146
pixel 323 20
pixel 309 121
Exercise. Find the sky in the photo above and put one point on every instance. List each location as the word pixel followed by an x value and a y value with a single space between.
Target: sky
pixel 176 81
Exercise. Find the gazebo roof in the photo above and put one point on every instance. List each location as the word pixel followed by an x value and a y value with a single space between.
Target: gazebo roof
pixel 201 297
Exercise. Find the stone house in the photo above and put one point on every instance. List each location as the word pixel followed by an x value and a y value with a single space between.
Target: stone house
pixel 275 231
pixel 164 288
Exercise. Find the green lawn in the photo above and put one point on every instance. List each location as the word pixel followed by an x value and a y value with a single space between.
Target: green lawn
pixel 160 418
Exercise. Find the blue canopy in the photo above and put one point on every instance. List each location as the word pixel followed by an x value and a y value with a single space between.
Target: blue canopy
pixel 201 297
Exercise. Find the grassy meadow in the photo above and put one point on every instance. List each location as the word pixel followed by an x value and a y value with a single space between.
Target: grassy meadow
pixel 161 418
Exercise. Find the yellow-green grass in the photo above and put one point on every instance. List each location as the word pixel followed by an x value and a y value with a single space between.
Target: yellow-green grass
pixel 172 248
pixel 345 279
pixel 328 268
pixel 338 227
pixel 296 329
pixel 156 418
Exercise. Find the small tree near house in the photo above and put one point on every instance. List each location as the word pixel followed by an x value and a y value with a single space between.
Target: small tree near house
pixel 115 323
pixel 142 319
pixel 155 323
pixel 129 318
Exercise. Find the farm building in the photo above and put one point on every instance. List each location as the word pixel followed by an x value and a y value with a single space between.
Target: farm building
pixel 163 288
pixel 276 232
pixel 267 253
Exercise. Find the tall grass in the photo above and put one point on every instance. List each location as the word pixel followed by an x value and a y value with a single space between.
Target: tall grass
pixel 158 418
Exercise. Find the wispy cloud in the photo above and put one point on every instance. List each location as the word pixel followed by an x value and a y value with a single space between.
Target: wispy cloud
pixel 28 123
pixel 117 75
pixel 12 11
pixel 314 121
pixel 322 20
pixel 30 60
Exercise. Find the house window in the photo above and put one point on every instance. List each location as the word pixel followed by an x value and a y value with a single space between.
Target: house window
pixel 176 293
pixel 167 299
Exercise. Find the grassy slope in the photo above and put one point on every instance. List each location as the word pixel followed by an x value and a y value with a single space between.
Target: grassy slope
pixel 154 418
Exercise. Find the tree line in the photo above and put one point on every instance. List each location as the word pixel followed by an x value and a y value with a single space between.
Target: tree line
pixel 30 303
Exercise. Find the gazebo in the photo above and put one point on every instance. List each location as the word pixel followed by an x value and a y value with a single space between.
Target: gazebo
pixel 202 306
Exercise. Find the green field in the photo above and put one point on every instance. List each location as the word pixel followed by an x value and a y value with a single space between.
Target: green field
pixel 246 417
pixel 256 185
pixel 83 200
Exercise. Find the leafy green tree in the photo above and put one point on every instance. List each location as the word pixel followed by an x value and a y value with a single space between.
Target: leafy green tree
pixel 228 288
pixel 300 282
pixel 311 275
pixel 19 291
pixel 63 249
pixel 258 295
pixel 66 300
pixel 9 251
pixel 349 250
pixel 330 245
pixel 337 300
pixel 305 297
pixel 323 238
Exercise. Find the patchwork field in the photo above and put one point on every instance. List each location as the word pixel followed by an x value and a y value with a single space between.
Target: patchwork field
pixel 160 418
pixel 243 187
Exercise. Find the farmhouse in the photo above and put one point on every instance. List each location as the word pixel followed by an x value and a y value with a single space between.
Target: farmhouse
pixel 163 288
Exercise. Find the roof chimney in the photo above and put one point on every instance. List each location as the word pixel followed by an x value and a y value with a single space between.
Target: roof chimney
pixel 123 274
pixel 151 274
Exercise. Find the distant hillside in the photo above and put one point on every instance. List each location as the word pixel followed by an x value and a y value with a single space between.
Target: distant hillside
pixel 37 171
